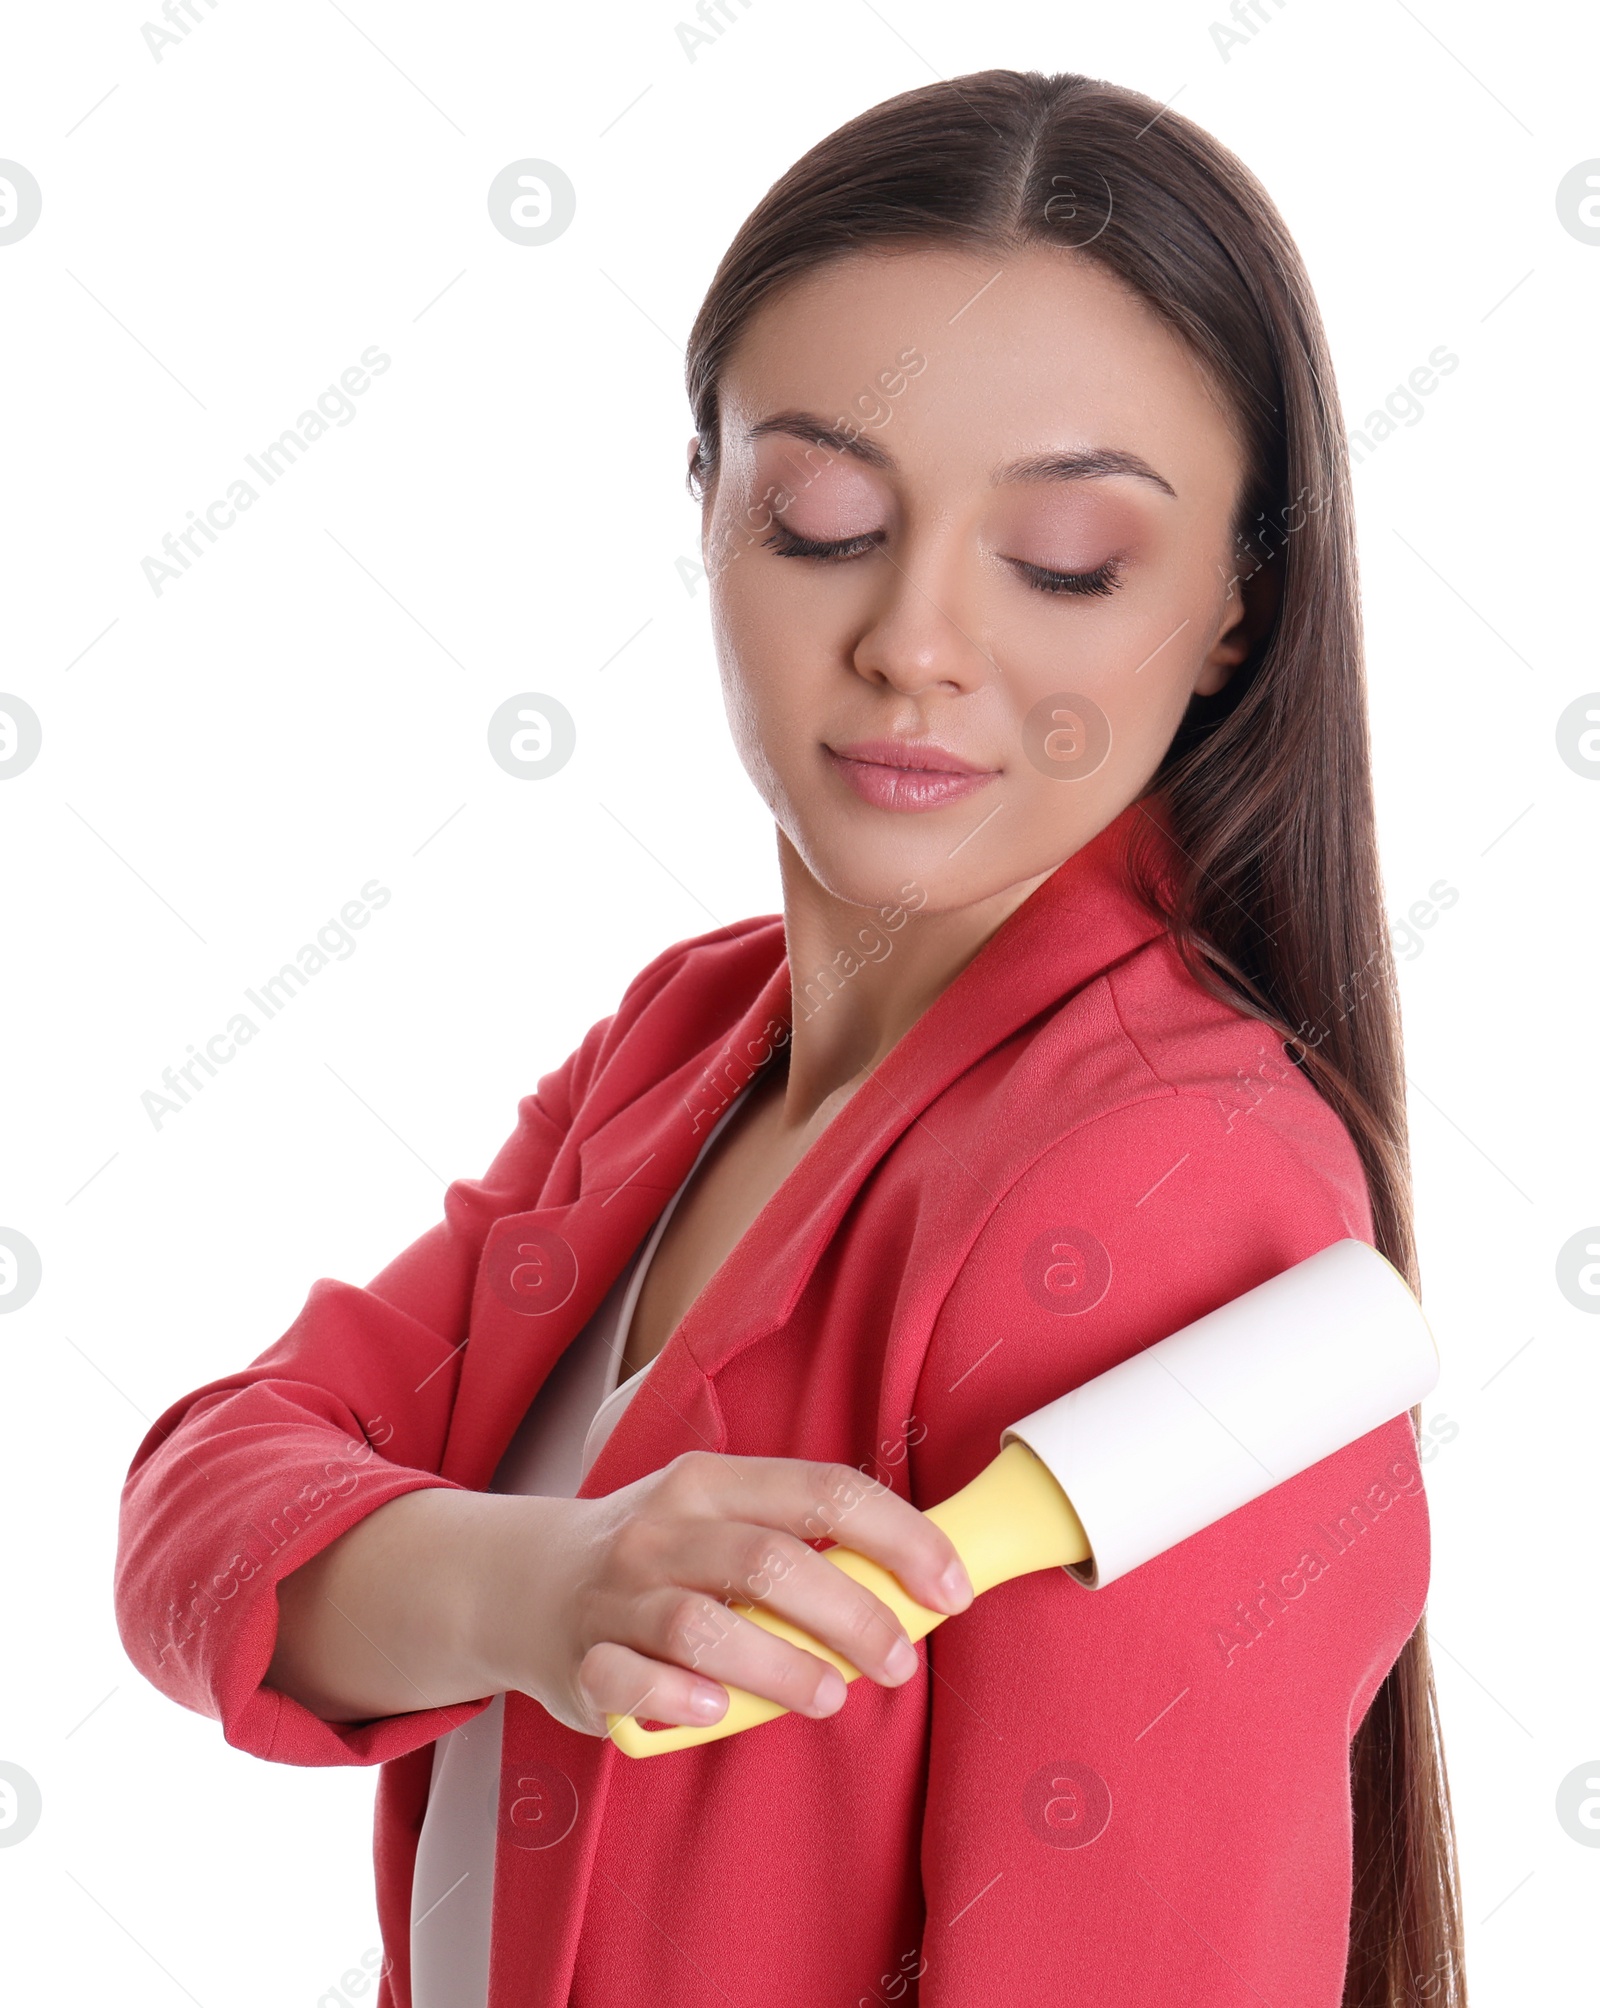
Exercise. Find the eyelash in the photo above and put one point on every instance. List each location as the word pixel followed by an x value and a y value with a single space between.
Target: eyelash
pixel 1102 580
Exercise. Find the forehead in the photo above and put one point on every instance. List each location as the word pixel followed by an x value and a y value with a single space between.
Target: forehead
pixel 1024 350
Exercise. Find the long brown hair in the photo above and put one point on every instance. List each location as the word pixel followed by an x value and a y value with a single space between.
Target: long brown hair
pixel 1268 784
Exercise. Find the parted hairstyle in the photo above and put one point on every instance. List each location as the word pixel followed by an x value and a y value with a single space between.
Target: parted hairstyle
pixel 1280 906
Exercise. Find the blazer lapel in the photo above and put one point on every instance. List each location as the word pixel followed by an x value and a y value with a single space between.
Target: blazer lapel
pixel 543 1272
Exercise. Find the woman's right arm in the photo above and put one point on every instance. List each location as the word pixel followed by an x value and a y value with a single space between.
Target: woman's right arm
pixel 242 1482
pixel 613 1605
pixel 382 1621
pixel 291 1561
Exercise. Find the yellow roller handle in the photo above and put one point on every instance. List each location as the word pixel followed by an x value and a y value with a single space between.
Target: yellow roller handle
pixel 1011 1519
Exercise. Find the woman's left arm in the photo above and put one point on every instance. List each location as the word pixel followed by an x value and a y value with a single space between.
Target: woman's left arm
pixel 1141 1793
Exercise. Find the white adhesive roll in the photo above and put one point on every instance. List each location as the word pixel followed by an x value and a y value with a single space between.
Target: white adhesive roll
pixel 1256 1391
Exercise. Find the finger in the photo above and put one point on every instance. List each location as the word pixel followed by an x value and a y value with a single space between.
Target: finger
pixel 688 1628
pixel 812 1500
pixel 613 1679
pixel 738 1562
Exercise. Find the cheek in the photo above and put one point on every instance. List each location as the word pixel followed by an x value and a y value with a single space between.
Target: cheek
pixel 762 660
pixel 745 696
pixel 1121 673
pixel 757 635
pixel 1121 650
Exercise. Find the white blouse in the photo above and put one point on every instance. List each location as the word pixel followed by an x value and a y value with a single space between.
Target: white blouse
pixel 558 1439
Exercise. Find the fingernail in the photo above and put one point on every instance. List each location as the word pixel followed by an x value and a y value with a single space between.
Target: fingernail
pixel 956 1586
pixel 707 1703
pixel 902 1660
pixel 830 1693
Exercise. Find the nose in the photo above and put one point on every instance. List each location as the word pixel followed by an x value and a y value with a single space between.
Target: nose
pixel 925 630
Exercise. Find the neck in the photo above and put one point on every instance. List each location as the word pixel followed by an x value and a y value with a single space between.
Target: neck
pixel 863 976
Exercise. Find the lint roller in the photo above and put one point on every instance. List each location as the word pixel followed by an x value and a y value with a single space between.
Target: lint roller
pixel 1141 1457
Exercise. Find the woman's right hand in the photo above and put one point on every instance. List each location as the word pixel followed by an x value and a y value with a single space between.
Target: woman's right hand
pixel 618 1605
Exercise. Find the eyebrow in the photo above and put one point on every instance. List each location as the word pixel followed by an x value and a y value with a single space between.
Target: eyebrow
pixel 1073 464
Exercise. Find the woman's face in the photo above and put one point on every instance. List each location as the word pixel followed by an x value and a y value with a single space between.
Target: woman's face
pixel 956 640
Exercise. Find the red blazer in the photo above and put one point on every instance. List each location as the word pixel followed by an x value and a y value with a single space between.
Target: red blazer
pixel 1132 1795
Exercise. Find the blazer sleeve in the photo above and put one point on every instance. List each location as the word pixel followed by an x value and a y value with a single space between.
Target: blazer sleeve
pixel 241 1481
pixel 1142 1792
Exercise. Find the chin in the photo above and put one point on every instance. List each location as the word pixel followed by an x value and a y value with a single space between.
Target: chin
pixel 914 872
pixel 871 875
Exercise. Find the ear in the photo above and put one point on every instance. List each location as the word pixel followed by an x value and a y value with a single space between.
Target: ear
pixel 1251 607
pixel 691 479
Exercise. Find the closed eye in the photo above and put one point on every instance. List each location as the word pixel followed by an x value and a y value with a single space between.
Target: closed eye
pixel 1103 579
pixel 788 544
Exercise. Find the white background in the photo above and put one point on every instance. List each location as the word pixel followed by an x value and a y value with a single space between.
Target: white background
pixel 224 766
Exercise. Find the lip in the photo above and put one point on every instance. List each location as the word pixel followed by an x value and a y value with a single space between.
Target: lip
pixel 906 775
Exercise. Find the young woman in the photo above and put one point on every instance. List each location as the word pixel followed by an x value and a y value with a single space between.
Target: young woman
pixel 1028 528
